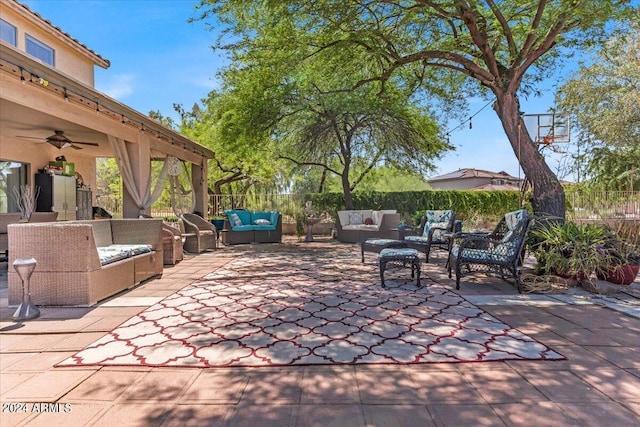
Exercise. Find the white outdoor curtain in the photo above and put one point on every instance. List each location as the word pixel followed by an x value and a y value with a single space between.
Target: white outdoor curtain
pixel 143 197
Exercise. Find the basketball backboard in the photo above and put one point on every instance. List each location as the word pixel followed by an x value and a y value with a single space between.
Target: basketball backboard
pixel 548 128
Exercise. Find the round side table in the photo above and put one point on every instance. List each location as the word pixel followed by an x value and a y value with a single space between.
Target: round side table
pixel 26 310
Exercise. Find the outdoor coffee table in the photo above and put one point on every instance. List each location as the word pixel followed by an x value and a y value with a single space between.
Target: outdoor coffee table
pixel 376 245
pixel 399 258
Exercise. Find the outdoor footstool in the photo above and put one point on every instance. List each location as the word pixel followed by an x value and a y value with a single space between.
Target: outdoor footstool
pixel 399 257
pixel 376 245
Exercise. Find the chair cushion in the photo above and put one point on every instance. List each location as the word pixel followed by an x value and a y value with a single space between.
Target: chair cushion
pixel 429 226
pixel 113 253
pixel 398 252
pixel 502 252
pixel 417 239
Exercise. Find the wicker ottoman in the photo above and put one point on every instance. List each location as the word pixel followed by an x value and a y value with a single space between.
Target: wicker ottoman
pixel 399 258
pixel 376 245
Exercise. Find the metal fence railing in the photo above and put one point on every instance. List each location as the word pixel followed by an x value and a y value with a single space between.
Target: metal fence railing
pixel 581 205
pixel 287 204
pixel 603 205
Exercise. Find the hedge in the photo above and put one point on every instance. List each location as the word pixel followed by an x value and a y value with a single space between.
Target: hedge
pixel 412 204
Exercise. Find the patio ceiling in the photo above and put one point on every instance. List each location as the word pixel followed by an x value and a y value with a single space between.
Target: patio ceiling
pixel 31 128
pixel 35 110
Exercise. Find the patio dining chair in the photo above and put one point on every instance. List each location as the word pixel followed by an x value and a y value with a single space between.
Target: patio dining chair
pixel 200 234
pixel 431 231
pixel 500 252
pixel 172 251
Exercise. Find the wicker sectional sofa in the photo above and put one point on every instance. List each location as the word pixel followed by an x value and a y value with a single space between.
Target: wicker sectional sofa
pixel 83 262
pixel 355 226
pixel 252 227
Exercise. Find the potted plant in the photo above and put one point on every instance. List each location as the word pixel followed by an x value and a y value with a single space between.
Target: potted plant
pixel 570 250
pixel 622 251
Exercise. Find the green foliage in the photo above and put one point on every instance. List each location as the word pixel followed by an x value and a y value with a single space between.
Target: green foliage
pixel 108 179
pixel 436 51
pixel 490 204
pixel 603 98
pixel 571 249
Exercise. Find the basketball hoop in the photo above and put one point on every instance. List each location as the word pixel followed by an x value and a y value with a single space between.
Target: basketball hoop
pixel 548 128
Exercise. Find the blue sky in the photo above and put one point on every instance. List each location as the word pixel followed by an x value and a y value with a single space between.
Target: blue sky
pixel 158 59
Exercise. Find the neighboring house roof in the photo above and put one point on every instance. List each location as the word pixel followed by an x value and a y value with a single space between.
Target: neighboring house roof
pixel 66 37
pixel 493 187
pixel 467 173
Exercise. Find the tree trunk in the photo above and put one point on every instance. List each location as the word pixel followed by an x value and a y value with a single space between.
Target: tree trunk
pixel 346 189
pixel 547 194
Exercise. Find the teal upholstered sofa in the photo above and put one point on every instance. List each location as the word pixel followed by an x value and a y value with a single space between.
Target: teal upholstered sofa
pixel 242 226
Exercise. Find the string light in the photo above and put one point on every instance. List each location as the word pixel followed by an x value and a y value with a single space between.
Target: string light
pixel 66 93
pixel 462 123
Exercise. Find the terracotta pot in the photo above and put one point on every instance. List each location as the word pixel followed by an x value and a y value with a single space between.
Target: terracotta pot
pixel 565 275
pixel 621 274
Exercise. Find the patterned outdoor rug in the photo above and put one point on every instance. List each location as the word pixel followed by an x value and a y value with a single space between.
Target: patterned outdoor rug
pixel 302 309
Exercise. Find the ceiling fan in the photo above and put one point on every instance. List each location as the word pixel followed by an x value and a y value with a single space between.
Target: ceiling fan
pixel 60 141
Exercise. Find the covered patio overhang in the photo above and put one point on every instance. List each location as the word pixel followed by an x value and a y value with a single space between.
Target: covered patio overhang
pixel 36 100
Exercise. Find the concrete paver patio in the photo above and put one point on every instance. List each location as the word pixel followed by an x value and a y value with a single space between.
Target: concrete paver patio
pixel 597 384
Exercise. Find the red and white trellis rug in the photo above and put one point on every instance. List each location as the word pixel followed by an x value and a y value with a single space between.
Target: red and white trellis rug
pixel 304 309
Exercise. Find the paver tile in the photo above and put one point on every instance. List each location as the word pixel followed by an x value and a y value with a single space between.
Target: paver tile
pixel 535 414
pixel 104 385
pixel 618 384
pixel 331 415
pixel 69 415
pixel 564 386
pixel 281 386
pixel 503 386
pixel 330 384
pixel 188 415
pixel 397 415
pixel 602 414
pixel 464 415
pixel 134 414
pixel 217 387
pixel 248 415
pixel 445 387
pixel 47 386
pixel 160 385
pixel 380 386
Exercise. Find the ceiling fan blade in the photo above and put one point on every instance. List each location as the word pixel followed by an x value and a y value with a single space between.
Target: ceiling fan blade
pixel 29 137
pixel 95 144
pixel 75 147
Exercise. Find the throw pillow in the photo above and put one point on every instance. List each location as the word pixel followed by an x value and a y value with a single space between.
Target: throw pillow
pixel 355 218
pixel 236 219
pixel 262 222
pixel 368 221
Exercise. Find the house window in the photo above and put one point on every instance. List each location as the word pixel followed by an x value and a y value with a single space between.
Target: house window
pixel 8 32
pixel 40 50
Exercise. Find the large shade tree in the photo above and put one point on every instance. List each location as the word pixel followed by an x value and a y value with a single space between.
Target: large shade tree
pixel 604 99
pixel 504 47
pixel 314 113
